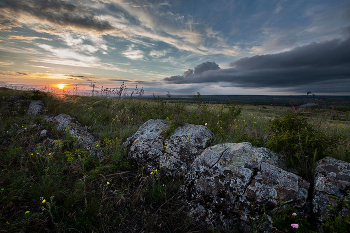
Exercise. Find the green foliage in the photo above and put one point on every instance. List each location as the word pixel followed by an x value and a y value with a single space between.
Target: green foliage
pixel 284 216
pixel 291 134
pixel 294 137
pixel 338 219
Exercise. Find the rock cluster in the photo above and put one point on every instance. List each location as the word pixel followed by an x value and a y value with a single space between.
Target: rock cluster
pixel 73 127
pixel 171 155
pixel 65 123
pixel 227 185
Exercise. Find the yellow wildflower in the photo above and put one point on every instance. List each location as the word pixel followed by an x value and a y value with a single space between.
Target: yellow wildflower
pixel 27 212
pixel 43 201
pixel 151 173
pixel 107 182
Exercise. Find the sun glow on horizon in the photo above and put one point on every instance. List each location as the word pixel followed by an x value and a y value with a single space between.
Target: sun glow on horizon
pixel 61 86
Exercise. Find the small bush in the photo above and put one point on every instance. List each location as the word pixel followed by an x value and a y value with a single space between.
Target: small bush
pixel 339 218
pixel 294 137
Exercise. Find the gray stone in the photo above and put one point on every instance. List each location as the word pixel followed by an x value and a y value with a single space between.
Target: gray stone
pixel 226 179
pixel 70 125
pixel 172 155
pixel 147 144
pixel 36 107
pixel 43 133
pixel 182 147
pixel 332 178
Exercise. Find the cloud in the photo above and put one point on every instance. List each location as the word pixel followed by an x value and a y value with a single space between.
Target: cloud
pixel 56 12
pixel 79 77
pixel 158 54
pixel 192 74
pixel 6 63
pixel 25 38
pixel 67 53
pixel 133 54
pixel 205 66
pixel 309 65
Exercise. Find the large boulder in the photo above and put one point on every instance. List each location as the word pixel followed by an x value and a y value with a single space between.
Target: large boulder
pixel 147 144
pixel 332 179
pixel 227 179
pixel 70 125
pixel 182 147
pixel 36 107
pixel 172 155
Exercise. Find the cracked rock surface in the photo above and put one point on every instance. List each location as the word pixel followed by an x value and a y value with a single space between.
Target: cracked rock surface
pixel 226 179
pixel 172 155
pixel 69 124
pixel 332 178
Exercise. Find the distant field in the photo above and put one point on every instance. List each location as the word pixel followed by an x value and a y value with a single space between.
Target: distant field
pixel 341 102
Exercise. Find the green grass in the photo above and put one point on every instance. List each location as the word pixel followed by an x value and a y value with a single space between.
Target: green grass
pixel 84 193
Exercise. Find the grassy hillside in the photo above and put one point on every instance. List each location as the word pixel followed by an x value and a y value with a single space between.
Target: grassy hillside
pixel 62 187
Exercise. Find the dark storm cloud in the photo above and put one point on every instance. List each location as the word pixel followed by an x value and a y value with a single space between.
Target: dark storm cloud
pixel 312 64
pixel 205 66
pixel 191 74
pixel 58 12
pixel 330 53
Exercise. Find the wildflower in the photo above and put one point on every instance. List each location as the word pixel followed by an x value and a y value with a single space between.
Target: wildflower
pixel 205 123
pixel 107 182
pixel 43 201
pixel 166 147
pixel 27 212
pixel 151 173
pixel 163 185
pixel 156 170
pixel 294 225
pixel 294 214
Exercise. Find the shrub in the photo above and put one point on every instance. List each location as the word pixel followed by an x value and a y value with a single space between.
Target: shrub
pixel 339 218
pixel 291 135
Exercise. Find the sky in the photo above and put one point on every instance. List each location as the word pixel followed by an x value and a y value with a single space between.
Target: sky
pixel 215 47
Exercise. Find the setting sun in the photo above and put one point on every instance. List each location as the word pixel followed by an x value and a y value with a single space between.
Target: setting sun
pixel 61 86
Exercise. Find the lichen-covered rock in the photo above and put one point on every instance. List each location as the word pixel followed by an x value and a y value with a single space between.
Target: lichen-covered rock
pixel 147 144
pixel 182 147
pixel 36 107
pixel 332 178
pixel 70 125
pixel 172 155
pixel 226 179
pixel 272 182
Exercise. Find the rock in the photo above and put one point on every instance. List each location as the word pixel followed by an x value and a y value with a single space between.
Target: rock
pixel 172 155
pixel 70 125
pixel 15 101
pixel 147 144
pixel 182 147
pixel 36 107
pixel 332 178
pixel 226 179
pixel 43 133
